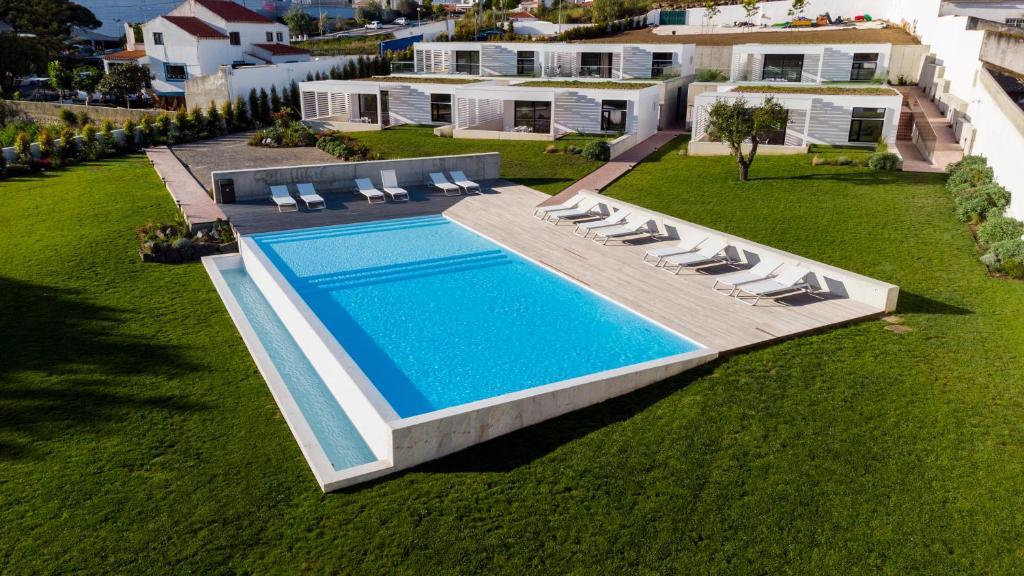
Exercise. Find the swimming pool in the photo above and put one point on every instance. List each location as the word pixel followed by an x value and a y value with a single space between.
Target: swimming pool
pixel 437 316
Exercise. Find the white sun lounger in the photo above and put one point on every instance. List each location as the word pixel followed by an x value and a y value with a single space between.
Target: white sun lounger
pixel 613 220
pixel 583 210
pixel 733 280
pixel 369 191
pixel 711 251
pixel 389 182
pixel 542 211
pixel 442 183
pixel 790 280
pixel 309 197
pixel 688 242
pixel 460 180
pixel 638 224
pixel 281 197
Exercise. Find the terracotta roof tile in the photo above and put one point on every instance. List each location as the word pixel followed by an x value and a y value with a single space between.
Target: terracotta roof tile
pixel 195 26
pixel 281 49
pixel 231 11
pixel 125 55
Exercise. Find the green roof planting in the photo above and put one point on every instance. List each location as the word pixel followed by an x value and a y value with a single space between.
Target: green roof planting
pixel 609 85
pixel 424 80
pixel 824 90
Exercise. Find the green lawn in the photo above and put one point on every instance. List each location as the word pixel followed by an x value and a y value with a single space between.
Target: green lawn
pixel 136 435
pixel 521 161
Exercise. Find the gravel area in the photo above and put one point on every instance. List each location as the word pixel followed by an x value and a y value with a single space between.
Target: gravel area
pixel 233 152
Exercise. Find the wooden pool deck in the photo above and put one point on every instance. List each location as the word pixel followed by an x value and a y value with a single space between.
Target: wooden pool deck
pixel 684 303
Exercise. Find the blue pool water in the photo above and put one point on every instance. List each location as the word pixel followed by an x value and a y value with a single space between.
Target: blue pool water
pixel 438 316
pixel 336 434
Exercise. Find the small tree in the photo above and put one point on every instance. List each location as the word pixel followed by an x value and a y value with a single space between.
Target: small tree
pixel 199 123
pixel 125 79
pixel 796 9
pixel 131 133
pixel 299 22
pixel 227 112
pixel 162 125
pixel 241 114
pixel 87 79
pixel 750 9
pixel 264 106
pixel 275 100
pixel 107 132
pixel 711 11
pixel 213 119
pixel 23 146
pixel 68 151
pixel 296 98
pixel 182 125
pixel 89 147
pixel 145 130
pixel 61 78
pixel 254 105
pixel 736 124
pixel 45 143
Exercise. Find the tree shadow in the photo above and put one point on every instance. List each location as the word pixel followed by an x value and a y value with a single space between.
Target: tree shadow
pixel 65 364
pixel 872 178
pixel 910 302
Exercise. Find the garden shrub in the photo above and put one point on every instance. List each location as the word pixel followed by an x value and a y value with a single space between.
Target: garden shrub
pixel 1009 250
pixel 82 117
pixel 967 161
pixel 145 130
pixel 23 147
pixel 1013 268
pixel 844 161
pixel 884 161
pixel 89 146
pixel 130 134
pixel 710 75
pixel 67 117
pixel 342 146
pixel 162 123
pixel 285 132
pixel 182 126
pixel 820 161
pixel 551 149
pixel 1000 228
pixel 574 150
pixel 214 122
pixel 107 133
pixel 597 150
pixel 45 143
pixel 972 208
pixel 69 150
pixel 970 176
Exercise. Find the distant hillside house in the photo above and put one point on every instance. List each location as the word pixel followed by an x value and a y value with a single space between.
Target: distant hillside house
pixel 200 36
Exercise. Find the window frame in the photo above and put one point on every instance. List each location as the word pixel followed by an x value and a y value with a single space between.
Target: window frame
pixel 782 75
pixel 862 63
pixel 520 60
pixel 235 38
pixel 280 36
pixel 658 65
pixel 169 78
pixel 270 36
pixel 862 121
pixel 534 118
pixel 437 108
pixel 472 68
pixel 610 108
pixel 158 38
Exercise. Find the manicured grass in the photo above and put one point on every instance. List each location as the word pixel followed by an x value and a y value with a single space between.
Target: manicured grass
pixel 608 85
pixel 137 437
pixel 521 161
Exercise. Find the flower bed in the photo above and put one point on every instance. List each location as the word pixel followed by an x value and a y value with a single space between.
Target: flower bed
pixel 173 243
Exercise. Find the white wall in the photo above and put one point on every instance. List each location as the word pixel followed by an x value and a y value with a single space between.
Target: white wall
pixel 241 80
pixel 1001 141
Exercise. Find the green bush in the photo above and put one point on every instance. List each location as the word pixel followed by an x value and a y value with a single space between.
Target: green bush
pixel 969 176
pixel 89 146
pixel 45 143
pixel 710 75
pixel 967 161
pixel 844 161
pixel 130 133
pixel 23 147
pixel 884 161
pixel 343 146
pixel 551 149
pixel 1009 250
pixel 67 117
pixel 999 229
pixel 1013 269
pixel 597 150
pixel 181 244
pixel 69 150
pixel 82 117
pixel 574 150
pixel 972 208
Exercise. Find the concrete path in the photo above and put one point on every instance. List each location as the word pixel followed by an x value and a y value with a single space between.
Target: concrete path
pixel 613 170
pixel 947 148
pixel 199 209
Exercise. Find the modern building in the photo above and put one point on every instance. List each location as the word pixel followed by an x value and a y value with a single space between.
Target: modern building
pixel 809 63
pixel 199 36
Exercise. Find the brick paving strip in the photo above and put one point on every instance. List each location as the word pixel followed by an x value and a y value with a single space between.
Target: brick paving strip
pixel 614 169
pixel 199 209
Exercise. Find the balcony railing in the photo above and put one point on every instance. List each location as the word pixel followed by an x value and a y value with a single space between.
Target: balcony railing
pixel 465 68
pixel 403 67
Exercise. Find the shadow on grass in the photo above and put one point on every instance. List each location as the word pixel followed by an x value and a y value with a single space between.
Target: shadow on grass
pixel 534 182
pixel 860 178
pixel 68 369
pixel 910 302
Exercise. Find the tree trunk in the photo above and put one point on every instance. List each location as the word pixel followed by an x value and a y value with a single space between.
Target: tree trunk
pixel 744 170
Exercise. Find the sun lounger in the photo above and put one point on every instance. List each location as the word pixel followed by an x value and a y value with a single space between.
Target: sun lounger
pixel 613 220
pixel 637 224
pixel 460 180
pixel 687 243
pixel 309 196
pixel 583 210
pixel 732 280
pixel 389 182
pixel 542 211
pixel 711 251
pixel 369 191
pixel 281 197
pixel 442 183
pixel 790 280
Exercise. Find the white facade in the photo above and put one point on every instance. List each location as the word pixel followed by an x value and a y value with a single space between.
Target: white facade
pixel 817 62
pixel 199 36
pixel 814 118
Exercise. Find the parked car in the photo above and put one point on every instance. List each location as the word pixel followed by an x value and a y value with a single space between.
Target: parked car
pixel 403 21
pixel 375 25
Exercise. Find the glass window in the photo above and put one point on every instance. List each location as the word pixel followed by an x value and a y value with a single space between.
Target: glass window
pixel 661 62
pixel 778 137
pixel 596 65
pixel 270 36
pixel 525 62
pixel 535 116
pixel 864 66
pixel 467 62
pixel 1016 22
pixel 236 39
pixel 783 67
pixel 441 108
pixel 175 72
pixel 368 107
pixel 613 115
pixel 866 124
pixel 280 37
pixel 158 38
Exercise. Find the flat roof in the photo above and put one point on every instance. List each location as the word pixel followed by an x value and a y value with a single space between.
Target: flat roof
pixel 825 89
pixel 773 36
pixel 582 84
pixel 422 79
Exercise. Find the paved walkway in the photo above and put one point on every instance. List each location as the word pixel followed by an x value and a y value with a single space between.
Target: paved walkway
pixel 613 170
pixel 199 209
pixel 947 148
